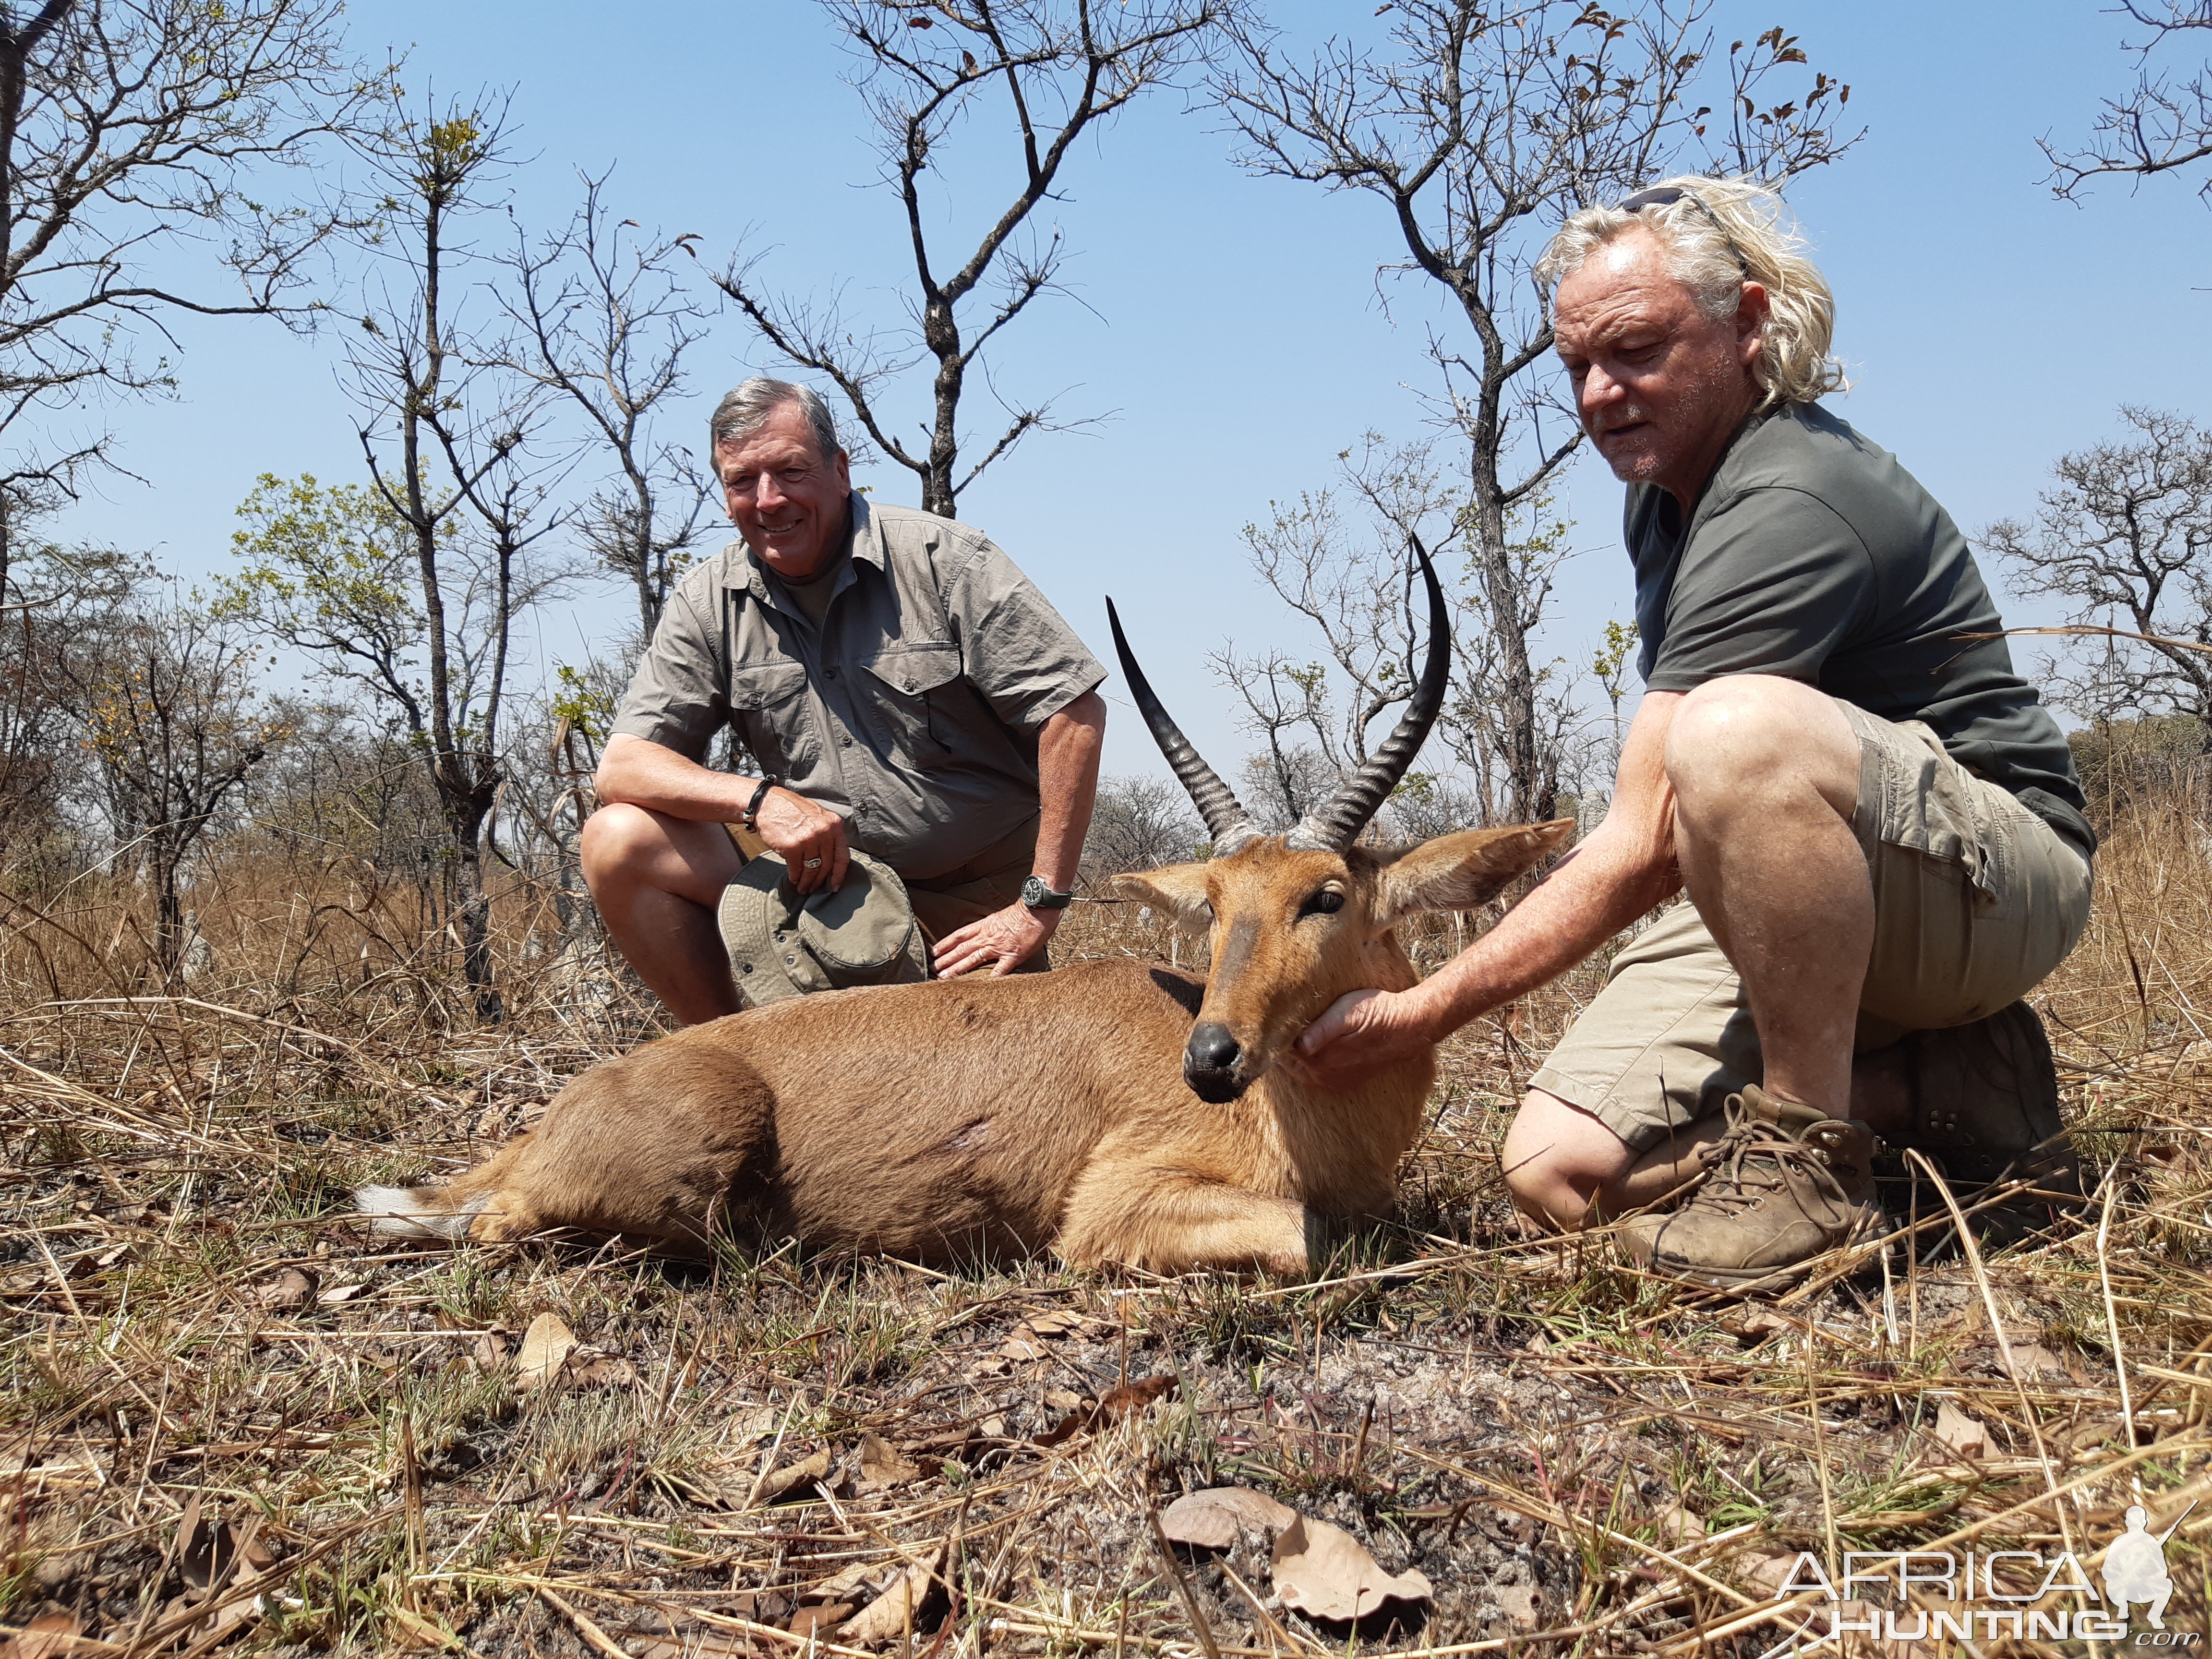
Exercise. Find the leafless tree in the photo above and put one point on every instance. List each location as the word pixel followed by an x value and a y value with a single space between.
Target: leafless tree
pixel 136 135
pixel 62 597
pixel 166 698
pixel 437 555
pixel 1139 823
pixel 2125 534
pixel 1356 587
pixel 602 321
pixel 1479 126
pixel 2163 124
pixel 1353 581
pixel 1053 70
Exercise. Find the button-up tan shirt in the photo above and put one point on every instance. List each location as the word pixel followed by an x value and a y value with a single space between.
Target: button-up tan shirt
pixel 913 712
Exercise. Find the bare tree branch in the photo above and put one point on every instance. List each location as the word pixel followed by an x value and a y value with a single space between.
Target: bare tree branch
pixel 131 131
pixel 2164 122
pixel 1063 68
pixel 1479 125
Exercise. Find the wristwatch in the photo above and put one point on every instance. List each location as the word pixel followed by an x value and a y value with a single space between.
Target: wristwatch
pixel 1038 897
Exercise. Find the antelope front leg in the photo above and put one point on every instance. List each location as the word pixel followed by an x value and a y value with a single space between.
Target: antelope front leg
pixel 1167 1219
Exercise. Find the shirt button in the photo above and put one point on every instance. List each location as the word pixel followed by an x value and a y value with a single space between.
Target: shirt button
pixel 829 673
pixel 848 743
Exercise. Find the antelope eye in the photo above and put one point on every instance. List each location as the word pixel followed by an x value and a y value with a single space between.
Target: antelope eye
pixel 1325 902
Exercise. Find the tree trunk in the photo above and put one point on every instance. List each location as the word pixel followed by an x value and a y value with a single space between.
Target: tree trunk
pixel 1531 788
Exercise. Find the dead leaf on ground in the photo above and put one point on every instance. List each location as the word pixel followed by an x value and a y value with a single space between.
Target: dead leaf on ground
pixel 1751 1324
pixel 803 1474
pixel 819 1622
pixel 898 1603
pixel 2033 1362
pixel 1112 1406
pixel 337 1293
pixel 544 1345
pixel 596 1368
pixel 1765 1573
pixel 50 1636
pixel 288 1292
pixel 1064 1400
pixel 205 1548
pixel 750 1423
pixel 882 1464
pixel 1028 1339
pixel 488 1351
pixel 692 1644
pixel 1212 1518
pixel 1961 1433
pixel 1677 1526
pixel 1325 1572
pixel 1518 1603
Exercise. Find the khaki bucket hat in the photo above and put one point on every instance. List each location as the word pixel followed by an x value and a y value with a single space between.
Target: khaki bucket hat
pixel 786 944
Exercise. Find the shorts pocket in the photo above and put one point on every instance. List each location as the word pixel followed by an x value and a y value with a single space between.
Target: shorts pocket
pixel 912 680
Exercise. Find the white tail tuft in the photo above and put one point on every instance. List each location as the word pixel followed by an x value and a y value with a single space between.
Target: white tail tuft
pixel 405 1211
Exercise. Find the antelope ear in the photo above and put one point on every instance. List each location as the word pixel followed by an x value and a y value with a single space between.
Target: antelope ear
pixel 1459 871
pixel 1177 889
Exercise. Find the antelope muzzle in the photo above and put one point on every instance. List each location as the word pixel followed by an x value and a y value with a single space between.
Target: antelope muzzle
pixel 1212 1064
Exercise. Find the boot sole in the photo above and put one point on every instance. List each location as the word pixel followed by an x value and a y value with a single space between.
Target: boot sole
pixel 1746 1280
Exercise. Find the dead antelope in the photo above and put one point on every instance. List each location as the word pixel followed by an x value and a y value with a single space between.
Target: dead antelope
pixel 1113 1110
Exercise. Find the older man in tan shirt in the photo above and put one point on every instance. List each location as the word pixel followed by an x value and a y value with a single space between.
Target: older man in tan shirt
pixel 903 689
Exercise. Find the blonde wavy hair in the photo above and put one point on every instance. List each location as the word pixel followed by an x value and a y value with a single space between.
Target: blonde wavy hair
pixel 1719 234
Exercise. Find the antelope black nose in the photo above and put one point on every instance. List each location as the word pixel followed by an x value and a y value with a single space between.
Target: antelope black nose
pixel 1209 1063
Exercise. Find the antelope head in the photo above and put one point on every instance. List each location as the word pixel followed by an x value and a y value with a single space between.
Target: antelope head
pixel 1297 919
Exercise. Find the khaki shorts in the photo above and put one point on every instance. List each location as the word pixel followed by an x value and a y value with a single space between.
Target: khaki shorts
pixel 990 882
pixel 1975 901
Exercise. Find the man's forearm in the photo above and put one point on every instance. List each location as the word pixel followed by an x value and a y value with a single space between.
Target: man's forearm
pixel 640 773
pixel 1067 787
pixel 1606 885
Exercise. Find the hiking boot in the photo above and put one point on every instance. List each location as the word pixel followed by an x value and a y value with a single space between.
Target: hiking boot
pixel 1985 1109
pixel 1784 1184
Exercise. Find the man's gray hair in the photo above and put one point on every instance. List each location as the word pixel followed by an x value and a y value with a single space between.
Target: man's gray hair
pixel 745 411
pixel 1720 234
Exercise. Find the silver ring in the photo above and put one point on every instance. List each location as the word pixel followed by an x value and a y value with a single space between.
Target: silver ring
pixel 811 864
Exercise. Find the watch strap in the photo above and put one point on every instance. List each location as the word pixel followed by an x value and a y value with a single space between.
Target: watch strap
pixel 1039 897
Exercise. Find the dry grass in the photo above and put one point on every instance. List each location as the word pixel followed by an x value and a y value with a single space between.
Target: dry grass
pixel 235 1419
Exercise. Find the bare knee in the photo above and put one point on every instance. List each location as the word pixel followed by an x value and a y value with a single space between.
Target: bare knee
pixel 620 841
pixel 1747 730
pixel 1558 1157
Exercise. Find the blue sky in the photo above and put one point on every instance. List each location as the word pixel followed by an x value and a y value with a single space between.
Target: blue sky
pixel 1231 326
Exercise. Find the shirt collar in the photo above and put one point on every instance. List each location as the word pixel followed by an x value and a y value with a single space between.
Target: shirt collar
pixel 864 539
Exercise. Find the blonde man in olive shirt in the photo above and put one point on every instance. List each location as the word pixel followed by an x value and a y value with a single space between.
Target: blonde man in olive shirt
pixel 905 690
pixel 1877 822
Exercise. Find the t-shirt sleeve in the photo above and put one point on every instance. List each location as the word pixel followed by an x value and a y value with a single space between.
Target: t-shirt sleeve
pixel 1771 583
pixel 676 698
pixel 1015 648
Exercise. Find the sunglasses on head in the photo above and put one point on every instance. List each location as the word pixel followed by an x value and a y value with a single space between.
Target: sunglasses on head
pixel 1667 196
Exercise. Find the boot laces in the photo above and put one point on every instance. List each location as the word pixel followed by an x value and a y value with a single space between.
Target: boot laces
pixel 1750 1162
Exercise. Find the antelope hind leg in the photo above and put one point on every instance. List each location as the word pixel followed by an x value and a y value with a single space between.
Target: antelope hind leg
pixel 1166 1218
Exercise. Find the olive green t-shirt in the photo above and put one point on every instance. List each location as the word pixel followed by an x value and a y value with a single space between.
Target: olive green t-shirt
pixel 1814 555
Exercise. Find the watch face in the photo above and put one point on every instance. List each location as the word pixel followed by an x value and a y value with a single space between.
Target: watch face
pixel 1033 890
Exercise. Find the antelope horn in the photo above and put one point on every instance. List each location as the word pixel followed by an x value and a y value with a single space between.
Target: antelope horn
pixel 1227 821
pixel 1332 828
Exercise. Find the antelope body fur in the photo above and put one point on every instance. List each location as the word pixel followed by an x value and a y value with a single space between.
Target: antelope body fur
pixel 1113 1110
pixel 981 1116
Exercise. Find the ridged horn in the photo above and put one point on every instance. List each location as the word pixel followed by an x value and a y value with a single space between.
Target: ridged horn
pixel 1332 828
pixel 1226 820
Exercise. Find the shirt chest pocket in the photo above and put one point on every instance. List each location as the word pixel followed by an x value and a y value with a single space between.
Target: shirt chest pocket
pixel 767 705
pixel 911 684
